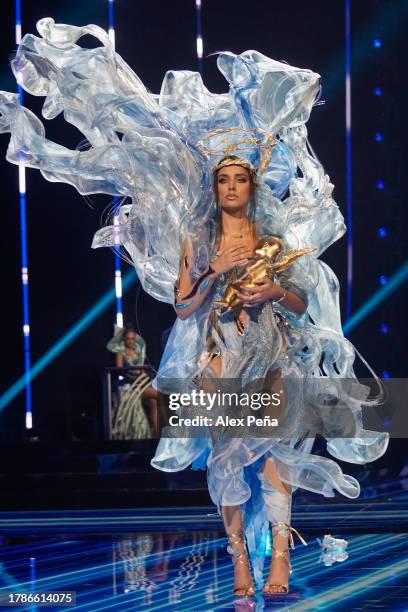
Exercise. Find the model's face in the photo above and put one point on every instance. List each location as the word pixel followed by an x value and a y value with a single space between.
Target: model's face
pixel 130 340
pixel 233 187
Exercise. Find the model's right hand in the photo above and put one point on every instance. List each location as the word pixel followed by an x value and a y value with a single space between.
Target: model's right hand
pixel 234 256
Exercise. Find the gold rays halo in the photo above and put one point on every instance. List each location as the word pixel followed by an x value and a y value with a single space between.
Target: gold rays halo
pixel 226 144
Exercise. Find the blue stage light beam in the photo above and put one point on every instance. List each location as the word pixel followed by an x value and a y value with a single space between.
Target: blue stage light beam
pixel 372 580
pixel 379 296
pixel 199 39
pixel 349 182
pixel 116 204
pixel 304 569
pixel 56 349
pixel 24 257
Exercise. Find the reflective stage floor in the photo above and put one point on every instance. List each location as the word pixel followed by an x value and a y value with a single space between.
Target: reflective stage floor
pixel 177 560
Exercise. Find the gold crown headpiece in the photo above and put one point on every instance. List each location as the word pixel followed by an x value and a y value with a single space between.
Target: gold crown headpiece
pixel 225 141
pixel 233 160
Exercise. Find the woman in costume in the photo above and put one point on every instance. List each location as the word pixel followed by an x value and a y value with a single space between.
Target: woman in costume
pixel 130 421
pixel 247 343
pixel 159 152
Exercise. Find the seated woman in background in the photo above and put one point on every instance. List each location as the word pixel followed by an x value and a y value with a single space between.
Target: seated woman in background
pixel 130 420
pixel 128 346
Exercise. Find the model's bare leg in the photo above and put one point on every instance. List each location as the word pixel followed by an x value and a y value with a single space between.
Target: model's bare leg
pixel 243 583
pixel 232 516
pixel 277 497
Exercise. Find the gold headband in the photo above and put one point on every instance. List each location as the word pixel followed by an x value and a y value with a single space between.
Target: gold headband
pixel 236 161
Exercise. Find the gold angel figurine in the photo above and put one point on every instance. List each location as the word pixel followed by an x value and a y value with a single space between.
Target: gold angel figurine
pixel 264 263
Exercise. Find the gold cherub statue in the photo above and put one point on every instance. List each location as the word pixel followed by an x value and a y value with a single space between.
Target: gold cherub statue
pixel 263 264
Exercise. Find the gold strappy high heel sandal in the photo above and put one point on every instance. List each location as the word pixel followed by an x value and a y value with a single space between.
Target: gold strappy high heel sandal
pixel 240 556
pixel 269 587
pixel 286 531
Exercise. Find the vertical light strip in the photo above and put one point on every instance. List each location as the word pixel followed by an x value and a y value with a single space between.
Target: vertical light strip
pixel 24 258
pixel 118 271
pixel 348 163
pixel 199 43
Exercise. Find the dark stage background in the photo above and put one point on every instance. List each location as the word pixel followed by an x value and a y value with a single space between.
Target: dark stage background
pixel 67 277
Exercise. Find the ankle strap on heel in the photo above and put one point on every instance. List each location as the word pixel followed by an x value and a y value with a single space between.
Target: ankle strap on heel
pixel 235 538
pixel 240 556
pixel 287 531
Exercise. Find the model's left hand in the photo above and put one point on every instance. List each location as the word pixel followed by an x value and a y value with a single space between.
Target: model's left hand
pixel 265 290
